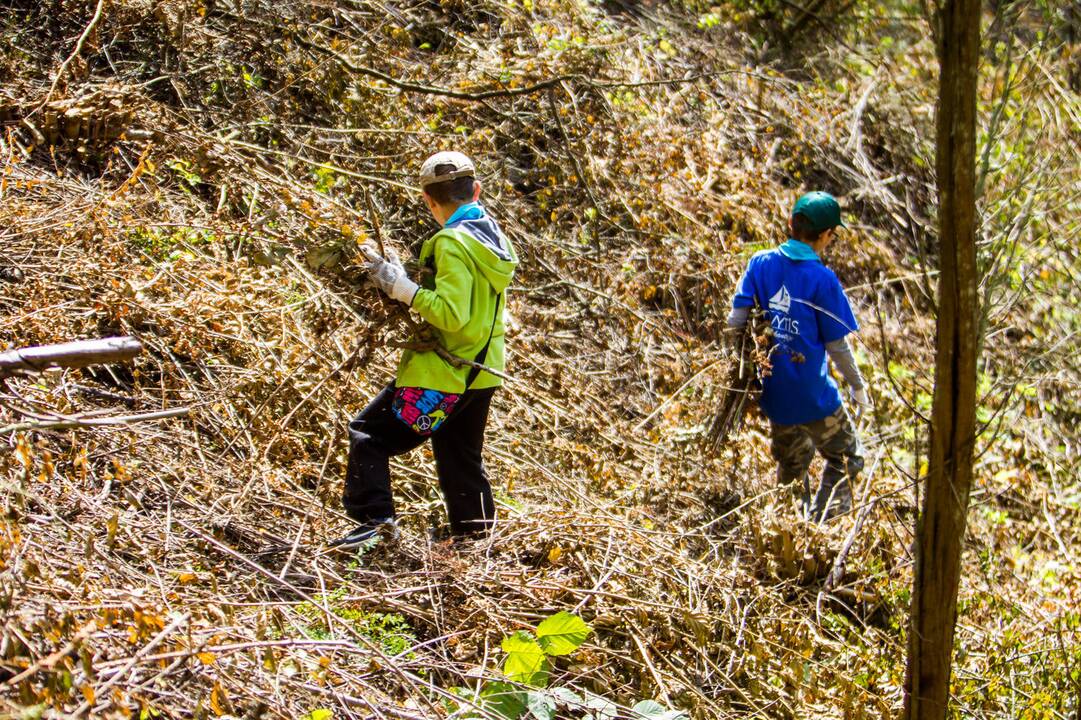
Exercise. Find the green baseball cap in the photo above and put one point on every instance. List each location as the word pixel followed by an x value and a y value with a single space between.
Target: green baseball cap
pixel 821 209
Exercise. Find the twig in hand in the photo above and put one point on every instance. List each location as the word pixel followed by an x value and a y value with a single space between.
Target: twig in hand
pixel 373 219
pixel 740 380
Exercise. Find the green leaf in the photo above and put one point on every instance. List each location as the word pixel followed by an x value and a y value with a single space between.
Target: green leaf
pixel 541 705
pixel 648 708
pixel 322 256
pixel 504 699
pixel 601 709
pixel 34 713
pixel 525 661
pixel 567 697
pixel 653 710
pixel 562 633
pixel 319 714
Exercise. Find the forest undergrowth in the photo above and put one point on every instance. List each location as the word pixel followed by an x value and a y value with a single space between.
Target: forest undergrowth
pixel 200 174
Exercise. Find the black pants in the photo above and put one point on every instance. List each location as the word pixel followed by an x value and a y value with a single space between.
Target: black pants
pixel 376 434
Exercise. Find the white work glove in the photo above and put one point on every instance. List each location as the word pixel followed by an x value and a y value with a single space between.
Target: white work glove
pixel 388 275
pixel 860 400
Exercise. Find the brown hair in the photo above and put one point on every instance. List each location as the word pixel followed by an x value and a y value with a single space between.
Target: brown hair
pixel 804 230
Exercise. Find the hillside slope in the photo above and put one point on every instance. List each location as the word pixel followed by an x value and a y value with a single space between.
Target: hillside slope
pixel 200 175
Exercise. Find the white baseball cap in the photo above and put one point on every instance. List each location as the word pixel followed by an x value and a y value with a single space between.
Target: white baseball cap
pixel 461 166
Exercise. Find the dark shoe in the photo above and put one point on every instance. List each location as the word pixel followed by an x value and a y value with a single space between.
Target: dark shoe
pixel 832 502
pixel 457 541
pixel 386 528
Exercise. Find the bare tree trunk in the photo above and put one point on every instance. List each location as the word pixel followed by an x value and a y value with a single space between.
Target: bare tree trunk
pixel 941 527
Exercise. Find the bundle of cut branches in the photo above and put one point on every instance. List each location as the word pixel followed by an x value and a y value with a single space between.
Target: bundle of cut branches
pixel 750 349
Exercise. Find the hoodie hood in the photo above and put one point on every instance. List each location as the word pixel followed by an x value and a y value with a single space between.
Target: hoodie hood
pixel 487 246
pixel 798 250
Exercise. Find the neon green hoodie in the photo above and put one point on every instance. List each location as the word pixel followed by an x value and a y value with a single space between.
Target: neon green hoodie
pixel 474 263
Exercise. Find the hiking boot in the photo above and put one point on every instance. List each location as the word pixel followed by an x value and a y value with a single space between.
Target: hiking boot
pixel 831 503
pixel 456 541
pixel 386 528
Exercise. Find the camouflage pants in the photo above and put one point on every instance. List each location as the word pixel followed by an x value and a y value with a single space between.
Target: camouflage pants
pixel 835 438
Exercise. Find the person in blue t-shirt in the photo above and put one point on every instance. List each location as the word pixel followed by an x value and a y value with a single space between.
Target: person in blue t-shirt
pixel 810 317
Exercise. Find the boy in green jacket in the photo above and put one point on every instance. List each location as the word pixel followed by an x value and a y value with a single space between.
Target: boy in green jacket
pixel 472 264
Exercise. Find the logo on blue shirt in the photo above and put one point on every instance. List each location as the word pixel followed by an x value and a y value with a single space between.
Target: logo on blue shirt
pixel 784 326
pixel 782 301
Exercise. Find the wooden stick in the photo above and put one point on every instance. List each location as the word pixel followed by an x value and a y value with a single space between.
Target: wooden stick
pixel 145 650
pixel 72 355
pixel 652 669
pixel 373 220
pixel 674 395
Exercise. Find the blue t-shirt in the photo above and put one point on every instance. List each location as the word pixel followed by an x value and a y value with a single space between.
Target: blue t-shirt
pixel 806 308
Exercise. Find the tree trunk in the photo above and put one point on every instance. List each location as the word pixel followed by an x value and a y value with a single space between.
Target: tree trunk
pixel 940 530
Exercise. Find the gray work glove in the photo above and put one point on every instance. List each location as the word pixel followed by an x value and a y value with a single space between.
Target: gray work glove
pixel 860 400
pixel 388 275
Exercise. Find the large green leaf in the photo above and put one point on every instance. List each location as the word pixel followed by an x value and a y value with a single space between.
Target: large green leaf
pixel 504 699
pixel 525 661
pixel 562 633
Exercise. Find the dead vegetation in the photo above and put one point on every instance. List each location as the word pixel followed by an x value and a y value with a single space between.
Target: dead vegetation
pixel 198 174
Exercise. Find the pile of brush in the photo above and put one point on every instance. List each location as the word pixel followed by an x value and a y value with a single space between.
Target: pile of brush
pixel 749 360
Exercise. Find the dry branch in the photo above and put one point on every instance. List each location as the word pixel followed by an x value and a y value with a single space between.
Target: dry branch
pixel 751 351
pixel 78 354
pixel 80 421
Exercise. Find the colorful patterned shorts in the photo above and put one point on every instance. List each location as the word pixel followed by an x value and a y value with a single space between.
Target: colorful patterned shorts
pixel 423 410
